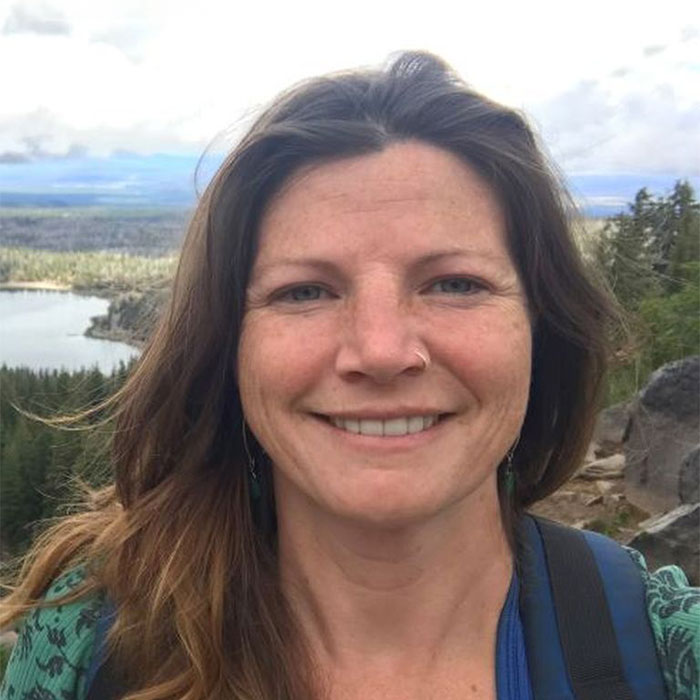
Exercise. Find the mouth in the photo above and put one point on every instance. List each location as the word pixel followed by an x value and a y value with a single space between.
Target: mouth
pixel 391 427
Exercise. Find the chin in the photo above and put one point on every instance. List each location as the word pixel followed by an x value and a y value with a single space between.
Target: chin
pixel 390 510
pixel 387 518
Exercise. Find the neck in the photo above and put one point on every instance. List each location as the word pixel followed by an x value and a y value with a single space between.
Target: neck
pixel 396 595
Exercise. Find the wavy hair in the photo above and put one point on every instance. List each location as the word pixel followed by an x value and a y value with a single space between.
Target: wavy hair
pixel 175 541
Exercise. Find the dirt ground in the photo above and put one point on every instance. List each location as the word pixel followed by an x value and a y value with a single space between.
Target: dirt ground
pixel 598 505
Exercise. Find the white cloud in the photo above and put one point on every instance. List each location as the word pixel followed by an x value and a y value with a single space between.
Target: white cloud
pixel 646 114
pixel 611 88
pixel 34 18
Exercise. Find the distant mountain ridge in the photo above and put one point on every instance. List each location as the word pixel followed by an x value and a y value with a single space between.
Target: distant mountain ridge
pixel 174 180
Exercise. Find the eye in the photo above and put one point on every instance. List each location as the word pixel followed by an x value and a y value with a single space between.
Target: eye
pixel 455 285
pixel 303 292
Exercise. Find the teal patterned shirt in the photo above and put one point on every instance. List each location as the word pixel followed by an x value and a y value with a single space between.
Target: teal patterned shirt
pixel 55 646
pixel 674 612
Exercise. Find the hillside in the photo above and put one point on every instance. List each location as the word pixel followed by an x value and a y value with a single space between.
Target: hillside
pixel 149 232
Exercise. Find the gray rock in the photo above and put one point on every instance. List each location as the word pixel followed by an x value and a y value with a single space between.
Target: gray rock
pixel 674 389
pixel 592 453
pixel 664 427
pixel 612 467
pixel 611 429
pixel 672 538
pixel 689 477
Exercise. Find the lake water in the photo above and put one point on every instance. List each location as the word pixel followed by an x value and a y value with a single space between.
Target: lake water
pixel 44 330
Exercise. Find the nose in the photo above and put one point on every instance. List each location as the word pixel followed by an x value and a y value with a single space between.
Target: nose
pixel 380 338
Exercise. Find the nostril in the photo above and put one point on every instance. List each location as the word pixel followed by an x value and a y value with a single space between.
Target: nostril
pixel 381 363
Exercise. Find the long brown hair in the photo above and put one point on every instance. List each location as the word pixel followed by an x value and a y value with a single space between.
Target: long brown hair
pixel 175 542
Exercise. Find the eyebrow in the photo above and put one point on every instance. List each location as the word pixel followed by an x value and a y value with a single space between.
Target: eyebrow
pixel 433 257
pixel 439 255
pixel 316 263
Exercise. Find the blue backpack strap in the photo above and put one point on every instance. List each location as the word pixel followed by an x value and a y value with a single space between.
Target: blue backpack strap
pixel 101 681
pixel 548 674
pixel 584 613
pixel 626 594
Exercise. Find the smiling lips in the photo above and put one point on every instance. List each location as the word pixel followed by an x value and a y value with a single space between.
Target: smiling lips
pixel 393 427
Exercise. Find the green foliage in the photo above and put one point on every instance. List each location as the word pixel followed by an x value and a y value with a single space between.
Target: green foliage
pixel 671 321
pixel 42 465
pixel 86 270
pixel 623 254
pixel 651 258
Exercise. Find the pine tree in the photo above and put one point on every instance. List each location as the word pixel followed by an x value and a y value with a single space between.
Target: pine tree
pixel 624 251
pixel 686 247
pixel 650 255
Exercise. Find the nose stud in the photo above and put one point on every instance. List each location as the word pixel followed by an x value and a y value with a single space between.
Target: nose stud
pixel 424 359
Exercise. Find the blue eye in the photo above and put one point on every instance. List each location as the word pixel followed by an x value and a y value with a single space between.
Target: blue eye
pixel 454 285
pixel 304 292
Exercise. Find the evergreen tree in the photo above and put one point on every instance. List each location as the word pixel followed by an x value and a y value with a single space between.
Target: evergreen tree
pixel 651 257
pixel 643 251
pixel 625 253
pixel 686 247
pixel 41 464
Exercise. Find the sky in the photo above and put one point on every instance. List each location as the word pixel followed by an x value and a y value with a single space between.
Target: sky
pixel 611 86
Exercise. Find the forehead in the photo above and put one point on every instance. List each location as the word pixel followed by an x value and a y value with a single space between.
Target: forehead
pixel 408 191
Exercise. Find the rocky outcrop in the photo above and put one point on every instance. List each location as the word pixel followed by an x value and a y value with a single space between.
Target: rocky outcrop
pixel 611 429
pixel 612 467
pixel 662 434
pixel 662 474
pixel 672 538
pixel 689 478
pixel 643 461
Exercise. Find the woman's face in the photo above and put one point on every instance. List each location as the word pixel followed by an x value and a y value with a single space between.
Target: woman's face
pixel 364 265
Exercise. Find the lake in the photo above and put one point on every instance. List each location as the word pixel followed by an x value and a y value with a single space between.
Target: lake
pixel 45 330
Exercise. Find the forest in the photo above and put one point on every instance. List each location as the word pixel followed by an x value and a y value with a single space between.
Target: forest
pixel 93 271
pixel 45 468
pixel 649 255
pixel 139 231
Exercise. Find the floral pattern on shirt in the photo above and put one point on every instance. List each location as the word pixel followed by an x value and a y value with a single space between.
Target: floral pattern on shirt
pixel 674 614
pixel 54 647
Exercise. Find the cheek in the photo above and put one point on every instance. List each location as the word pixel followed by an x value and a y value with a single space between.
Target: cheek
pixel 277 360
pixel 493 354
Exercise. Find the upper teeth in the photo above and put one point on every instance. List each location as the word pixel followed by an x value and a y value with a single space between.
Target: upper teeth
pixel 394 426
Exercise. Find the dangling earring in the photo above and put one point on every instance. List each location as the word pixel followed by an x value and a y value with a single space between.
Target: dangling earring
pixel 253 476
pixel 509 472
pixel 509 476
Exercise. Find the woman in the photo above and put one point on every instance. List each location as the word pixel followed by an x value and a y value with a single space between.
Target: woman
pixel 381 347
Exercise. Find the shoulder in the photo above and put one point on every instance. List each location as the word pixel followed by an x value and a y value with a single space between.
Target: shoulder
pixel 54 647
pixel 673 608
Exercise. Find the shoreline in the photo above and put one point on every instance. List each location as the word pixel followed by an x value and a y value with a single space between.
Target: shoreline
pixel 117 335
pixel 39 285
